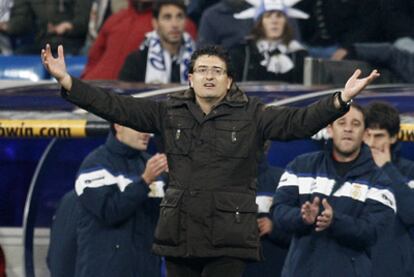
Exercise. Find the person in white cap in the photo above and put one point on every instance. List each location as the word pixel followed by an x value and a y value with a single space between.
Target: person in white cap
pixel 270 52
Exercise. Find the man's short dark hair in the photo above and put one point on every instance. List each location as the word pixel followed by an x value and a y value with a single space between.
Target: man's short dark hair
pixel 382 115
pixel 158 4
pixel 216 51
pixel 360 109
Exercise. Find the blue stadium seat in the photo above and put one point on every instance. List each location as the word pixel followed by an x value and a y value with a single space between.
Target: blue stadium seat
pixel 22 68
pixel 75 65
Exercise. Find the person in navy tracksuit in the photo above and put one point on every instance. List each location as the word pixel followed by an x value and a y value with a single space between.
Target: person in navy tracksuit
pixel 274 242
pixel 393 255
pixel 119 205
pixel 61 256
pixel 335 203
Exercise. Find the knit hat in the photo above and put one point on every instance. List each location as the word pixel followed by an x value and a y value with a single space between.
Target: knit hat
pixel 262 6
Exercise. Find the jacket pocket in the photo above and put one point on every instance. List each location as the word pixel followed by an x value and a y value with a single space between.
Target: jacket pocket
pixel 167 230
pixel 178 135
pixel 233 138
pixel 234 220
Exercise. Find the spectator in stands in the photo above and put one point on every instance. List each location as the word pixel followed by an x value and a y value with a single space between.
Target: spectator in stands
pixel 5 42
pixel 100 11
pixel 271 53
pixel 219 26
pixel 389 22
pixel 397 57
pixel 274 242
pixel 334 24
pixel 121 34
pixel 119 204
pixel 391 40
pixel 61 256
pixel 213 133
pixel 55 22
pixel 335 203
pixel 196 8
pixel 165 54
pixel 393 254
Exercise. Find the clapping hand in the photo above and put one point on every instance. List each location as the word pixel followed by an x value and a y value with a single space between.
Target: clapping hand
pixel 310 211
pixel 325 219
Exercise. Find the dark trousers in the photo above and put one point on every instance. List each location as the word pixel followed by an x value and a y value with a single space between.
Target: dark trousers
pixel 204 267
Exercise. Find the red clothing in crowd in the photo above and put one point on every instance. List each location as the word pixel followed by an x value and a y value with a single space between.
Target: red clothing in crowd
pixel 2 264
pixel 121 34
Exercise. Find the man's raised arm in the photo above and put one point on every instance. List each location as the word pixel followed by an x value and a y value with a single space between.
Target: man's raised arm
pixel 56 66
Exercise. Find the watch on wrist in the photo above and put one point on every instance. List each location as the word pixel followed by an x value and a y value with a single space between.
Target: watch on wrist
pixel 342 102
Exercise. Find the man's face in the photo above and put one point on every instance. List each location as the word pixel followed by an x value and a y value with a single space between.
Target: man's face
pixel 132 138
pixel 347 133
pixel 170 24
pixel 378 138
pixel 209 79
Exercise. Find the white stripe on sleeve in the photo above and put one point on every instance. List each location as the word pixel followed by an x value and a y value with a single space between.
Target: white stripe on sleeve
pixel 264 203
pixel 383 196
pixel 99 178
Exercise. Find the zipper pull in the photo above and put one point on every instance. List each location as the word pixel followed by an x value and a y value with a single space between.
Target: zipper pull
pixel 178 134
pixel 233 136
pixel 237 215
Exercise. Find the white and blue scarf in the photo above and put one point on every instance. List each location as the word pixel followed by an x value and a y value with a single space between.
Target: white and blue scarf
pixel 275 55
pixel 159 61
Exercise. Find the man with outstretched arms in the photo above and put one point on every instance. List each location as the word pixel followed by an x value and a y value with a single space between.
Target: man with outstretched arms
pixel 213 134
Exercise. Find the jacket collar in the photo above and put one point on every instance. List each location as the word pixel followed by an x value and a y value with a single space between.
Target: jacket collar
pixel 362 165
pixel 235 97
pixel 396 151
pixel 117 147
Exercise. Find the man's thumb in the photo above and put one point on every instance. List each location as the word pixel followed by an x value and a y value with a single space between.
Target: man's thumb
pixel 325 204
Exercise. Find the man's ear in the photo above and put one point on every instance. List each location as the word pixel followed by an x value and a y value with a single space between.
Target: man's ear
pixel 329 130
pixel 117 127
pixel 190 80
pixel 365 135
pixel 154 24
pixel 394 139
pixel 229 83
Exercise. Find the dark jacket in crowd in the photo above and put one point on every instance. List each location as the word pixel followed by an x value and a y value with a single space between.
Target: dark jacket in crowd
pixel 246 58
pixel 388 21
pixel 335 22
pixel 363 205
pixel 218 25
pixel 393 254
pixel 61 256
pixel 135 67
pixel 33 16
pixel 388 55
pixel 117 218
pixel 209 209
